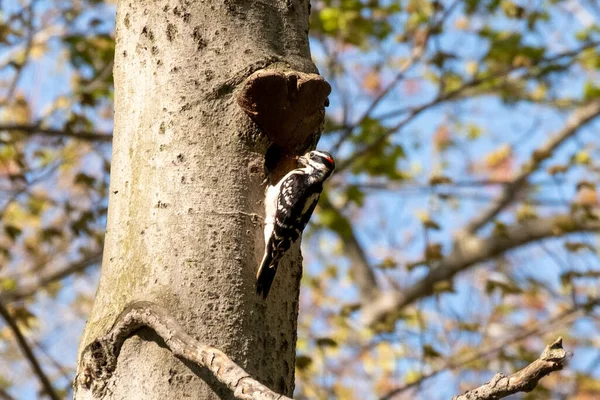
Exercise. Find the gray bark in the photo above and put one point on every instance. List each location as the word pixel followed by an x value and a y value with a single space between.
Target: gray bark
pixel 186 180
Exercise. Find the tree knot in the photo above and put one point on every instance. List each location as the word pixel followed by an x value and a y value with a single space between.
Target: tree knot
pixel 98 362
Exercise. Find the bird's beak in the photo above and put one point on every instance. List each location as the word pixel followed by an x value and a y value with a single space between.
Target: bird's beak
pixel 302 160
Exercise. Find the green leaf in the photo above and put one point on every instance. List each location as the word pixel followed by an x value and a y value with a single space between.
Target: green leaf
pixel 51 232
pixel 388 263
pixel 430 352
pixel 502 283
pixel 591 91
pixel 12 231
pixel 8 284
pixel 326 342
pixel 303 362
pixel 84 180
pixel 355 195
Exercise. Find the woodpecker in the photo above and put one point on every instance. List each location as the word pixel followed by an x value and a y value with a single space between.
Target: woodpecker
pixel 288 206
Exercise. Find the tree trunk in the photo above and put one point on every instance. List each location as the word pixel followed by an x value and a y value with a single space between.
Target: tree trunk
pixel 186 179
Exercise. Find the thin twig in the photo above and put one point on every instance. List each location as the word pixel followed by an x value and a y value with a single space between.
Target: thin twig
pixel 565 317
pixel 47 278
pixel 472 250
pixel 4 395
pixel 28 46
pixel 576 121
pixel 443 97
pixel 361 269
pixel 416 55
pixel 26 349
pixel 38 130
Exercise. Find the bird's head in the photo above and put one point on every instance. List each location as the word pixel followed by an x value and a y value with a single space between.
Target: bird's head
pixel 318 161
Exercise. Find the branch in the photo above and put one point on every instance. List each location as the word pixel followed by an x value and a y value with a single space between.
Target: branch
pixel 416 54
pixel 361 270
pixel 26 349
pixel 530 73
pixel 472 250
pixel 46 278
pixel 37 130
pixel 578 119
pixel 4 395
pixel 99 358
pixel 552 359
pixel 462 359
pixel 442 98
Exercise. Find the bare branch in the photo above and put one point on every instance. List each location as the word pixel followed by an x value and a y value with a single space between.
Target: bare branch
pixel 38 130
pixel 444 97
pixel 26 349
pixel 99 358
pixel 29 11
pixel 564 318
pixel 416 54
pixel 48 277
pixel 361 270
pixel 4 395
pixel 577 120
pixel 462 91
pixel 554 358
pixel 472 250
pixel 458 184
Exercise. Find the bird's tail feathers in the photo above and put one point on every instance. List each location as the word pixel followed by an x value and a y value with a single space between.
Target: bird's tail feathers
pixel 266 274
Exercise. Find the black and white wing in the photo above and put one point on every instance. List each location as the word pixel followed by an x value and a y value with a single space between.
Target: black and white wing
pixel 295 205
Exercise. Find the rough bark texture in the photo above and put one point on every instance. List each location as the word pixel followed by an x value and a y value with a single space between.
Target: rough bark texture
pixel 185 184
pixel 101 357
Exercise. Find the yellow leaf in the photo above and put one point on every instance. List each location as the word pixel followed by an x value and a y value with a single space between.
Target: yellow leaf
pixel 372 82
pixel 62 102
pixel 526 212
pixel 388 263
pixel 387 356
pixel 461 23
pixel 37 50
pixel 412 376
pixel 471 67
pixel 18 111
pixel 583 157
pixel 301 345
pixel 539 93
pixel 473 132
pixel 498 156
pixel 427 221
pixel 343 392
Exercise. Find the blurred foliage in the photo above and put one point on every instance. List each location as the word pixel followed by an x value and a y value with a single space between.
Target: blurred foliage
pixel 436 106
pixel 55 74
